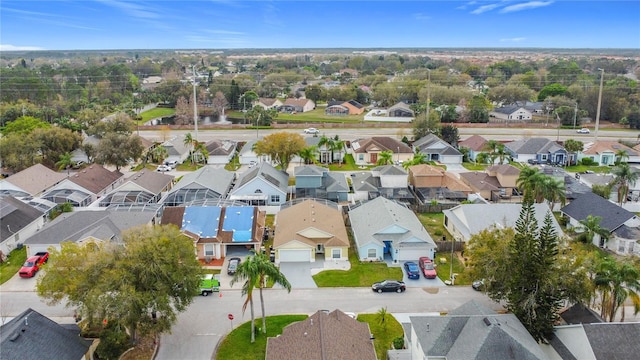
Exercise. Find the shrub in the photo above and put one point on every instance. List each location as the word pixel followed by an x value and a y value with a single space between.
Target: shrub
pixel 588 162
pixel 113 342
pixel 398 343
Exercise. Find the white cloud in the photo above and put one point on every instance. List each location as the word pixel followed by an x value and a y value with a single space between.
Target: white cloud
pixel 9 47
pixel 484 8
pixel 133 9
pixel 525 6
pixel 516 39
pixel 421 16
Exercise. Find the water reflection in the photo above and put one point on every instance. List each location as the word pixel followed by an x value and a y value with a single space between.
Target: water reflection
pixel 202 120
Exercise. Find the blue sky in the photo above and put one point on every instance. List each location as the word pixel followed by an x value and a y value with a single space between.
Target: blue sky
pixel 229 24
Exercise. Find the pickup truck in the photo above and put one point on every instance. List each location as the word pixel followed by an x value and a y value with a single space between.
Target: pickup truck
pixel 33 264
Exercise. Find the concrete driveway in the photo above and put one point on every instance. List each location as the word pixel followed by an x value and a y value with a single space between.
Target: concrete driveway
pixel 299 274
pixel 16 283
pixel 422 282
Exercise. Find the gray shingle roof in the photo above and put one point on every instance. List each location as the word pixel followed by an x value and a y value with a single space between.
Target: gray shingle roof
pixel 31 335
pixel 309 170
pixel 268 173
pixel 390 170
pixel 208 177
pixel 613 216
pixel 434 145
pixel 36 179
pixel 614 340
pixel 533 146
pixel 15 215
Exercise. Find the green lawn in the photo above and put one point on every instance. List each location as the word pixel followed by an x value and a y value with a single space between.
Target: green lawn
pixel 434 224
pixel 361 274
pixel 474 167
pixel 383 335
pixel 237 345
pixel 444 270
pixel 312 116
pixel 13 264
pixel 156 113
pixel 583 168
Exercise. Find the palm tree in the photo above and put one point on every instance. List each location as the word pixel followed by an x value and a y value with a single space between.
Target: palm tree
pixel 65 162
pixel 189 142
pixel 338 145
pixel 591 227
pixel 541 187
pixel 418 158
pixel 159 153
pixel 201 152
pixel 248 271
pixel 617 282
pixel 268 270
pixel 553 190
pixel 385 158
pixel 308 154
pixel 621 155
pixel 624 178
pixel 501 152
pixel 492 146
pixel 328 144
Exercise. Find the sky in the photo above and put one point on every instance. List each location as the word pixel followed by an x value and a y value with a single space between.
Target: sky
pixel 268 24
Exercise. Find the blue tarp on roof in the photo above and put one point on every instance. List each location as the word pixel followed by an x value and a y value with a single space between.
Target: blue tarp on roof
pixel 201 220
pixel 239 219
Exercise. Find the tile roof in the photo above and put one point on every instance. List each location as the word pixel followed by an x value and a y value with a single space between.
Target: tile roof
pixel 15 215
pixel 32 335
pixel 474 142
pixel 36 179
pixel 322 336
pixel 312 223
pixel 613 216
pixel 95 178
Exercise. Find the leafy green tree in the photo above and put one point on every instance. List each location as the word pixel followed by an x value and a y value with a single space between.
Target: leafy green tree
pixel 591 227
pixel 308 154
pixel 141 285
pixel 424 126
pixel 385 158
pixel 281 147
pixel 24 125
pixel 119 149
pixel 53 142
pixel 616 282
pixel 624 177
pixel 449 133
pixel 19 152
pixel 478 109
pixel 551 90
pixel 487 252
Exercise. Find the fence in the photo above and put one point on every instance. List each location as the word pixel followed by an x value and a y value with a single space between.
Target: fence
pixel 445 246
pixel 428 208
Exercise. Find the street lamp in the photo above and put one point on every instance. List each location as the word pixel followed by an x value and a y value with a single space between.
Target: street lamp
pixel 599 103
pixel 428 93
pixel 398 155
pixel 195 105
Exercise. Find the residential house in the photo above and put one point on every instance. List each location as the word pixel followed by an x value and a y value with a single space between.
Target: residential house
pixel 624 226
pixel 268 103
pixel 247 155
pixel 220 151
pixel 436 149
pixel 383 227
pixel 605 152
pixel 324 154
pixel 400 109
pixel 19 221
pixel 635 159
pixel 261 185
pixel 595 341
pixel 511 113
pixel 350 107
pixel 466 220
pixel 365 186
pixel 142 187
pixel 177 150
pixel 323 336
pixel 32 181
pixel 297 105
pixel 317 182
pixel 206 183
pixel 434 183
pixel 85 186
pixel 476 144
pixel 471 331
pixel 83 226
pixel 310 230
pixel 87 140
pixel 215 230
pixel 32 335
pixel 542 150
pixel 497 182
pixel 394 183
pixel 367 151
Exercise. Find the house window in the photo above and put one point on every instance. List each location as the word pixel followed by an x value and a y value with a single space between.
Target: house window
pixel 630 249
pixel 361 157
pixel 372 253
pixel 544 157
pixel 275 198
pixel 336 253
pixel 208 250
pixel 446 221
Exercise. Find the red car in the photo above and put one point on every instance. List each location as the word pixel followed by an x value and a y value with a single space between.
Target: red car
pixel 32 265
pixel 427 267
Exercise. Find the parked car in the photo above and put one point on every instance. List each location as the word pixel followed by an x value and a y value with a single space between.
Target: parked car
pixel 311 131
pixel 31 267
pixel 583 131
pixel 428 267
pixel 478 285
pixel 533 161
pixel 233 265
pixel 412 270
pixel 252 163
pixel 163 168
pixel 389 285
pixel 172 164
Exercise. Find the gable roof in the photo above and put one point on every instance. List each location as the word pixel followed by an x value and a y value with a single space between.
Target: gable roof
pixel 600 146
pixel 613 216
pixel 15 215
pixel 310 222
pixel 95 178
pixel 175 146
pixel 297 102
pixel 597 341
pixel 36 179
pixel 322 336
pixel 474 331
pixel 470 219
pixel 533 146
pixel 268 101
pixel 435 145
pixel 220 147
pixel 509 109
pixel 152 181
pixel 383 143
pixel 372 217
pixel 480 180
pixel 389 170
pixel 79 225
pixel 504 169
pixel 580 314
pixel 32 335
pixel 278 179
pixel 474 142
pixel 309 170
pixel 207 177
pixel 400 105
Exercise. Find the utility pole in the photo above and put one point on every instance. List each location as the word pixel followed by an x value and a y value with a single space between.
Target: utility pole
pixel 428 93
pixel 195 103
pixel 575 115
pixel 599 103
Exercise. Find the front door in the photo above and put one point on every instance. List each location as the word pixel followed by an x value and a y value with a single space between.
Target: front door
pixel 374 158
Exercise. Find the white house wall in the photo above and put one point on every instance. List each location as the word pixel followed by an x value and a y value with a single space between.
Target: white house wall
pixel 11 242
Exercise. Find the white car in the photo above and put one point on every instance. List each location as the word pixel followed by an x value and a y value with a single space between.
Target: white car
pixel 311 131
pixel 163 168
pixel 583 131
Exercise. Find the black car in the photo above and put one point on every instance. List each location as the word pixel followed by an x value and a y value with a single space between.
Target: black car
pixel 388 285
pixel 233 265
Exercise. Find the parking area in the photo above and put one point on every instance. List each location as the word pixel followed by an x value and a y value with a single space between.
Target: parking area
pixel 421 282
pixel 299 274
pixel 16 283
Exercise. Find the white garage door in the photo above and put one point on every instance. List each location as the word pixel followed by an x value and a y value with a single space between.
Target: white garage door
pixel 413 254
pixel 295 255
pixel 32 249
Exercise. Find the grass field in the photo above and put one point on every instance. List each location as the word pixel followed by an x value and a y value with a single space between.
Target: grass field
pixel 237 345
pixel 13 264
pixel 156 113
pixel 383 333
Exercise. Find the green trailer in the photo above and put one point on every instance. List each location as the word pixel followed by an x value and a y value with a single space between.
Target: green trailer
pixel 209 284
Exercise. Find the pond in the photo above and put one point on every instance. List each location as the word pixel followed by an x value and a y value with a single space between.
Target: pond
pixel 202 120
